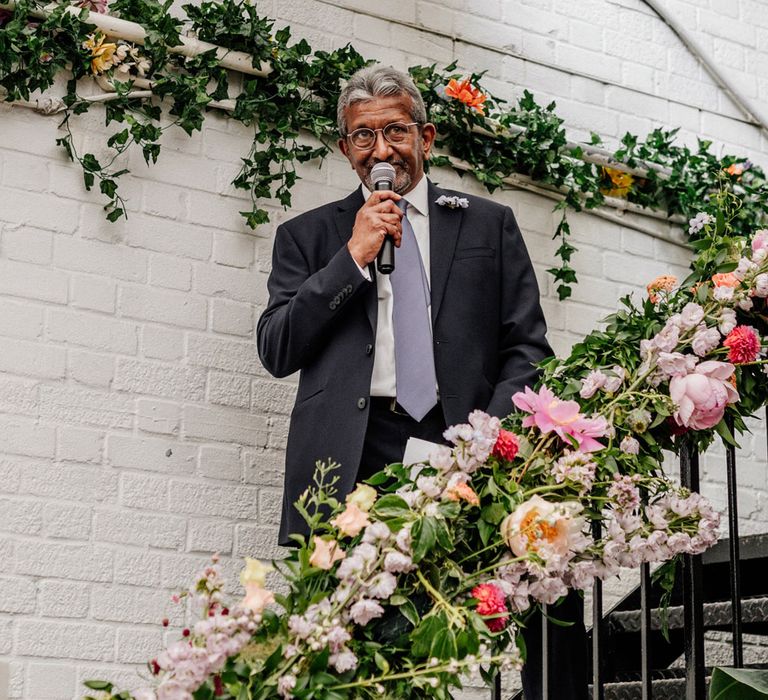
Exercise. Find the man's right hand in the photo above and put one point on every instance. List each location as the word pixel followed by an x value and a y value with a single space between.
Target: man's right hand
pixel 377 218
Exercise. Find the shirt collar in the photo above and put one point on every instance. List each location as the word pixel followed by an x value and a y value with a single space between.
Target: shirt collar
pixel 416 198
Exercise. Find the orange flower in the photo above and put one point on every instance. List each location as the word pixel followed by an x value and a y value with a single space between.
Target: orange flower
pixel 663 283
pixel 735 169
pixel 725 279
pixel 467 93
pixel 462 492
pixel 621 181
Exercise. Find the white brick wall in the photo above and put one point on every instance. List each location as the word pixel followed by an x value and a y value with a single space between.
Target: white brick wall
pixel 140 432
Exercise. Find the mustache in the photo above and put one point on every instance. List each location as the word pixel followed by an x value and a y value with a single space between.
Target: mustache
pixel 393 163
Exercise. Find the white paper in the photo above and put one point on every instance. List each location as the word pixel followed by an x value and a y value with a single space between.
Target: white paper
pixel 418 451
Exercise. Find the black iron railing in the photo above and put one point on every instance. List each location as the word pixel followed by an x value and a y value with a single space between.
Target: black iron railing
pixel 692 604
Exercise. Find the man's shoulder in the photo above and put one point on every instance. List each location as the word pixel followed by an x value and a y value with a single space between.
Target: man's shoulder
pixel 325 212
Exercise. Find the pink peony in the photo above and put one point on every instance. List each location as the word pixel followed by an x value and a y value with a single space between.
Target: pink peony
pixel 491 601
pixel 507 445
pixel 743 345
pixel 702 395
pixel 540 527
pixel 552 414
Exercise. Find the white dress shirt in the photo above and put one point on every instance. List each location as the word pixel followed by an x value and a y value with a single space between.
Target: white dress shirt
pixel 384 379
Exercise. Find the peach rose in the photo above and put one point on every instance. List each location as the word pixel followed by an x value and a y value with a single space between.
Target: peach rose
pixel 326 554
pixel 725 279
pixel 257 598
pixel 352 520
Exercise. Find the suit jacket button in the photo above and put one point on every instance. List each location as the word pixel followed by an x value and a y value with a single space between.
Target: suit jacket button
pixel 332 306
pixel 348 289
pixel 368 349
pixel 361 403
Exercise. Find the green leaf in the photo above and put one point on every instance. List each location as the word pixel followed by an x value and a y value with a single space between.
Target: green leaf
pixel 391 506
pixel 725 433
pixel 381 663
pixel 443 644
pixel 99 685
pixel 494 513
pixel 738 684
pixel 424 536
pixel 423 635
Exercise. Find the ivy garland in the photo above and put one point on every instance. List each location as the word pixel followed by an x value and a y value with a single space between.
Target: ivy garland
pixel 40 42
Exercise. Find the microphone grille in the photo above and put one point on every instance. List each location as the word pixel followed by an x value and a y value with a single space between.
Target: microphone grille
pixel 382 171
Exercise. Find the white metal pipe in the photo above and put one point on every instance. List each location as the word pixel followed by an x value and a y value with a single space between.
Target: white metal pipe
pixel 131 31
pixel 746 106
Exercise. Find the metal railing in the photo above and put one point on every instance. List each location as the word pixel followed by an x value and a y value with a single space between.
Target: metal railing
pixel 693 602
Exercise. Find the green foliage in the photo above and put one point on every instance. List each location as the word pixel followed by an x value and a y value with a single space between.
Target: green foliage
pixel 738 684
pixel 299 95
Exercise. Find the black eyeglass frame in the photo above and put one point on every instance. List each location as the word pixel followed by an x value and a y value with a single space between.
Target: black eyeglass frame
pixel 383 131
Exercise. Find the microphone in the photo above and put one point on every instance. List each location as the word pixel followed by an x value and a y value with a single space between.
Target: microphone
pixel 383 178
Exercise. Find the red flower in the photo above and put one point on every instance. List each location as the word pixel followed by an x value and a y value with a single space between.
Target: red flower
pixel 507 445
pixel 491 601
pixel 467 93
pixel 743 345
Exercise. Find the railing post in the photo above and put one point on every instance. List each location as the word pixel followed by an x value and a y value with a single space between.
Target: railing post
pixel 733 534
pixel 598 689
pixel 545 652
pixel 645 631
pixel 496 690
pixel 693 594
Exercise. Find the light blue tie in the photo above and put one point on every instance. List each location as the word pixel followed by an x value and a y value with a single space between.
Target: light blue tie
pixel 414 356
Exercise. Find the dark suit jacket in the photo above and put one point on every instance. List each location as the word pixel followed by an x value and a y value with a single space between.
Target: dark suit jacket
pixel 488 327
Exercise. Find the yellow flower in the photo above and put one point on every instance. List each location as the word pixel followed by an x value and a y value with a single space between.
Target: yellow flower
pixel 363 497
pixel 102 55
pixel 254 573
pixel 621 183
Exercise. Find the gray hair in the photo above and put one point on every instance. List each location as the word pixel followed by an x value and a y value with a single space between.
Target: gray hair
pixel 378 81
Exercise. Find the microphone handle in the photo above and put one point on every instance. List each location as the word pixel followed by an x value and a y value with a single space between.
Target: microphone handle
pixel 385 261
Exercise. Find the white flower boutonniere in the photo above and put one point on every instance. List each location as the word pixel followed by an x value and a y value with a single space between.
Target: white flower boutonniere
pixel 452 202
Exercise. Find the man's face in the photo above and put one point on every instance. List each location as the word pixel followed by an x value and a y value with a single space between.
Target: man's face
pixel 406 158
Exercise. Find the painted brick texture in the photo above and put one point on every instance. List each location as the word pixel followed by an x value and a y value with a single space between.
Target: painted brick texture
pixel 140 433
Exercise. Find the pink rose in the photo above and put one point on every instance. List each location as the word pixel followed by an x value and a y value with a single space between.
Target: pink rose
pixel 702 395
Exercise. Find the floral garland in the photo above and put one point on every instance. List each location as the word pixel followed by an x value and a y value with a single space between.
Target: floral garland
pixel 300 95
pixel 397 592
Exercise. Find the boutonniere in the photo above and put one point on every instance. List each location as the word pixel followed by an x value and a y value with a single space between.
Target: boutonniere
pixel 452 202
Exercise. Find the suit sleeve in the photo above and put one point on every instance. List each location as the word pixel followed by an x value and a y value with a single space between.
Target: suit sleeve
pixel 304 304
pixel 522 339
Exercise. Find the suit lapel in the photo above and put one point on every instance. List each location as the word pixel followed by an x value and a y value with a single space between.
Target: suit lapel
pixel 444 225
pixel 345 221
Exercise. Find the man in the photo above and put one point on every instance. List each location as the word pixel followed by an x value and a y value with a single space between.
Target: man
pixel 462 276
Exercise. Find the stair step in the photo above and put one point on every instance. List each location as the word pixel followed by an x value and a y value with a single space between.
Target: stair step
pixel 715 615
pixel 664 689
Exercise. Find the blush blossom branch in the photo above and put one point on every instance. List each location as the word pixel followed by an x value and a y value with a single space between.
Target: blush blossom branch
pixel 429 571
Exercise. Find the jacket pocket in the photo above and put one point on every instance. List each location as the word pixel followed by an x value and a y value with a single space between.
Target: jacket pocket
pixel 476 252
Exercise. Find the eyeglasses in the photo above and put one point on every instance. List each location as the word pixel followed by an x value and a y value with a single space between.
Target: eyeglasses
pixel 394 133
